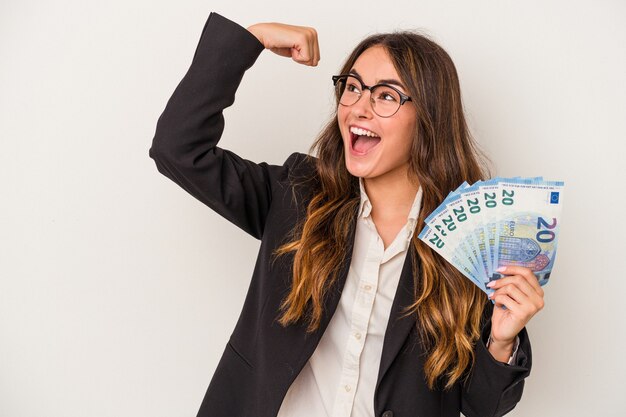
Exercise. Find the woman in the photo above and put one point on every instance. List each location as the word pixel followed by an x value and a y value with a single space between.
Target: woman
pixel 339 320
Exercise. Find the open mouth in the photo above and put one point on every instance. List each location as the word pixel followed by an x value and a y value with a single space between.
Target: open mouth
pixel 362 140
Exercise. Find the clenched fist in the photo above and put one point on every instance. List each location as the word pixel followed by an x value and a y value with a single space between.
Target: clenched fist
pixel 298 42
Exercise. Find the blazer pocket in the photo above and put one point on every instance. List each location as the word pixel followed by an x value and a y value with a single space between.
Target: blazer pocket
pixel 237 353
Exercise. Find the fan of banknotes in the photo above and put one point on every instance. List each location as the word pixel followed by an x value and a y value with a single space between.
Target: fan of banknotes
pixel 481 227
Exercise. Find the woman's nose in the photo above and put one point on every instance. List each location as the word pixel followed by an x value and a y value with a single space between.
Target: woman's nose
pixel 363 106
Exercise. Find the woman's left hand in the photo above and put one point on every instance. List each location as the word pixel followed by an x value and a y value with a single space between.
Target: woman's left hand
pixel 520 292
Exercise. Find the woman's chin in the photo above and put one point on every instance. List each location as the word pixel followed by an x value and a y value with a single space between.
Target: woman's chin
pixel 357 169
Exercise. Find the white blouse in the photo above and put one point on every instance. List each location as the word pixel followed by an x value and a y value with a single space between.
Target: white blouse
pixel 340 377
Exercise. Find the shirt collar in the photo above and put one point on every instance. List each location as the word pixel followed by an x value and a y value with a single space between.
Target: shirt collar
pixel 366 206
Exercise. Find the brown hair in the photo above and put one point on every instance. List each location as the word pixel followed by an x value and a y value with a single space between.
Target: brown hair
pixel 443 155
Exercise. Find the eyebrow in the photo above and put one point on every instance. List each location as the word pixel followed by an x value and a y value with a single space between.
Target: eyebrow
pixel 385 81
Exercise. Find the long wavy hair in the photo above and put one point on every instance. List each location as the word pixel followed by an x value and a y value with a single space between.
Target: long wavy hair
pixel 443 155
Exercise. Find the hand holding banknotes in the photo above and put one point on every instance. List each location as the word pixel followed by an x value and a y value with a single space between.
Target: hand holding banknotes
pixel 502 235
pixel 520 292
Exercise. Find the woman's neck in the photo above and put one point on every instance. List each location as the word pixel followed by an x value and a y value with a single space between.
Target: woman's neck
pixel 391 198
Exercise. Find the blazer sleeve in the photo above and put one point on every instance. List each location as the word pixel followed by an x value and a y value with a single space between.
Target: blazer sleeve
pixel 187 132
pixel 494 388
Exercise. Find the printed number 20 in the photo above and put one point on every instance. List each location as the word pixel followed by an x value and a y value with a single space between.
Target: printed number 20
pixel 545 236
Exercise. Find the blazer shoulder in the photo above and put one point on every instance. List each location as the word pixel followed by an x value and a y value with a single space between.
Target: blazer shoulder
pixel 298 161
pixel 301 167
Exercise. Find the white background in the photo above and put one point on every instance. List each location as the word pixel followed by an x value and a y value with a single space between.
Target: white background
pixel 118 291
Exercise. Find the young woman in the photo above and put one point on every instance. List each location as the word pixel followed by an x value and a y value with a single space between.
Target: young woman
pixel 348 313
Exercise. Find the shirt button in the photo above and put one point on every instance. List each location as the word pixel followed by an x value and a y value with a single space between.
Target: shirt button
pixel 367 287
pixel 357 335
pixel 347 388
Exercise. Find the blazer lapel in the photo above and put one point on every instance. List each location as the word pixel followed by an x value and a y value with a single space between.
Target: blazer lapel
pixel 398 328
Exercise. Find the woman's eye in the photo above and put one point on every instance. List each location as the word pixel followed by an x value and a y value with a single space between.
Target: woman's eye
pixel 352 88
pixel 387 97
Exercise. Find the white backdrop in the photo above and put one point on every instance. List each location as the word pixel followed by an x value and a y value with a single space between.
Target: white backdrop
pixel 118 291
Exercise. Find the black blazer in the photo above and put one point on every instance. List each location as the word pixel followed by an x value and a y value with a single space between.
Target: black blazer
pixel 262 358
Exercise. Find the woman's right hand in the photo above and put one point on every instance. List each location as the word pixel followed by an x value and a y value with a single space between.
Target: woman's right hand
pixel 298 42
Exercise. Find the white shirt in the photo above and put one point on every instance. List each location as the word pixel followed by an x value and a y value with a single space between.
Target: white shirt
pixel 340 377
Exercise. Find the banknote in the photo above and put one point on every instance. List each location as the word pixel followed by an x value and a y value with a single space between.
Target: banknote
pixel 445 232
pixel 433 239
pixel 498 222
pixel 529 224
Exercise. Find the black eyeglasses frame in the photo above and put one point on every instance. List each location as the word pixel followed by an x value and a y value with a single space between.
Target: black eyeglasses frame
pixel 403 97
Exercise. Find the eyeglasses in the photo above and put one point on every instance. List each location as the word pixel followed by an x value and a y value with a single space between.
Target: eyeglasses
pixel 386 100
